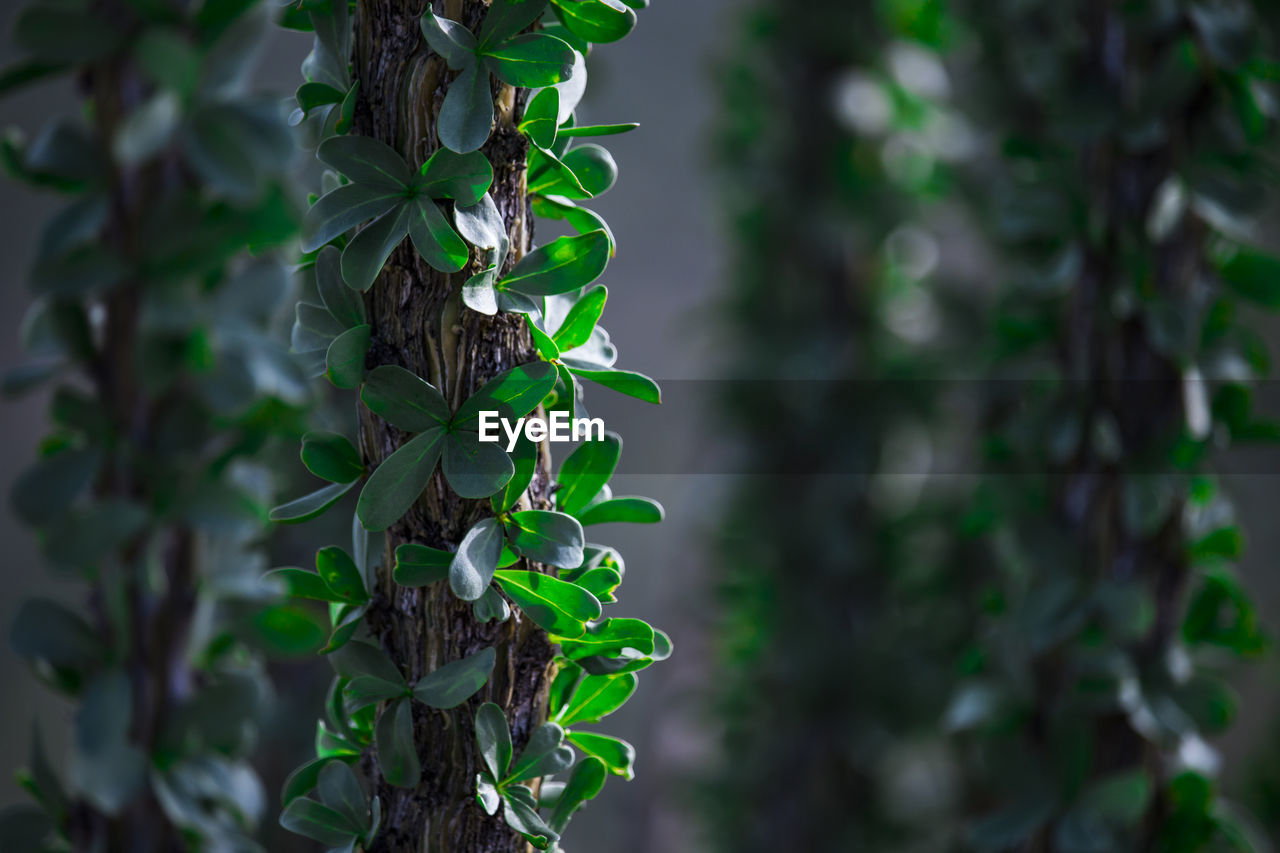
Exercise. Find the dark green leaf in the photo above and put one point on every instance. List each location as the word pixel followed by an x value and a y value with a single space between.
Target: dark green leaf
pixel 342 302
pixel 309 506
pixel 434 238
pixel 505 18
pixel 419 565
pixel 399 480
pixel 565 264
pixel 530 61
pixel 344 360
pixel 404 400
pixel 466 178
pixel 521 814
pixel 466 116
pixel 301 583
pixel 472 568
pixel 456 682
pixel 331 457
pixel 368 161
pixel 337 212
pixel 367 253
pixel 340 790
pixel 541 116
pixel 448 38
pixel 611 638
pixel 547 537
pixel 579 218
pixel 544 755
pixel 525 459
pixel 594 167
pixel 316 821
pixel 494 739
pixel 340 573
pixel 44 630
pixel 1254 275
pixel 581 319
pixel 48 488
pixel 474 468
pixel 397 753
pixel 513 394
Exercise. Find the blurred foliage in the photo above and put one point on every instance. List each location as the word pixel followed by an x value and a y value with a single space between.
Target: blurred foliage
pixel 1133 151
pixel 838 144
pixel 154 290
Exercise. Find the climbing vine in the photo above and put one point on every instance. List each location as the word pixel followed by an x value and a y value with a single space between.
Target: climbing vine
pixel 1136 151
pixel 521 557
pixel 150 332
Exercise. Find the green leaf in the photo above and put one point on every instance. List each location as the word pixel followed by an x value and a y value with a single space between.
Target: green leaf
pixel 331 456
pixel 618 755
pixel 397 753
pixel 541 117
pixel 611 638
pixel 513 394
pixel 1121 798
pixel 596 697
pixel 594 20
pixel 586 782
pixel 106 768
pixel 403 399
pixel 44 630
pixel 559 607
pixel 22 73
pixel 594 167
pixel 521 814
pixel 465 178
pixel 365 690
pixel 600 129
pixel 450 39
pixel 420 565
pixel 345 622
pixel 300 583
pixel 474 468
pixel 466 116
pixel 340 573
pixel 581 319
pixel 359 658
pixel 368 161
pixel 632 510
pixel 456 682
pixel 601 583
pixel 505 18
pixel 530 61
pixel 342 303
pixel 307 817
pixel 309 506
pixel 337 212
pixel 624 382
pixel 478 293
pixel 340 790
pixel 544 755
pixel 586 471
pixel 434 238
pixel 49 488
pixel 494 739
pixel 344 360
pixel 367 253
pixel 472 568
pixel 548 175
pixel 399 480
pixel 312 95
pixel 548 537
pixel 564 264
pixel 1254 275
pixel 541 340
pixel 487 794
pixel 524 459
pixel 579 218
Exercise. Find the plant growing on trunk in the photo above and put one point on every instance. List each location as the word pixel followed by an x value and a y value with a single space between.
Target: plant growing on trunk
pixel 149 329
pixel 1136 142
pixel 472 646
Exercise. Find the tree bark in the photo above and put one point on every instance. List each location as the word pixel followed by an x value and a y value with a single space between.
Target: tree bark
pixel 419 323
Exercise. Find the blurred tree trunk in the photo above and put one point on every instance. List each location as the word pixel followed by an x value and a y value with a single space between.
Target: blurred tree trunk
pixel 419 323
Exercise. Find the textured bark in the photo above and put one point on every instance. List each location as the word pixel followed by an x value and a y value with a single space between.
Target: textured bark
pixel 419 323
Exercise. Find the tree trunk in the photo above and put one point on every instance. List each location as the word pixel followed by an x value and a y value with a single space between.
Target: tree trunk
pixel 419 323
